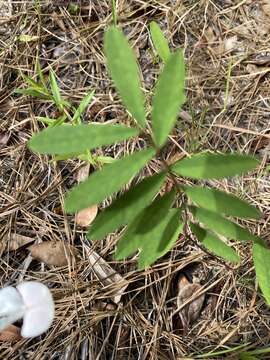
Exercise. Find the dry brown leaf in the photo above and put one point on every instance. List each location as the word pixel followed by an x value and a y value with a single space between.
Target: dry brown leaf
pixel 11 334
pixel 83 173
pixel 54 253
pixel 190 312
pixel 210 35
pixel 14 242
pixel 266 6
pixel 106 274
pixel 230 43
pixel 86 216
pixel 4 137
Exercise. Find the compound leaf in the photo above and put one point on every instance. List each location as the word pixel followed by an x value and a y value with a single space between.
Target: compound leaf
pixel 78 138
pixel 160 42
pixel 124 209
pixel 214 166
pixel 221 225
pixel 261 259
pixel 214 244
pixel 168 97
pixel 220 202
pixel 124 71
pixel 107 181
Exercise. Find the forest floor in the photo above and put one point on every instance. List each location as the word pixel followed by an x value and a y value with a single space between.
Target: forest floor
pixel 134 314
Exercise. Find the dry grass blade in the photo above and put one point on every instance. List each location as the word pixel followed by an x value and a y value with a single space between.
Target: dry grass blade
pixel 106 274
pixel 53 253
pixel 11 334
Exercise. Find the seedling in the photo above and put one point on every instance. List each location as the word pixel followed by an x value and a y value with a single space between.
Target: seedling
pixel 153 222
pixel 30 301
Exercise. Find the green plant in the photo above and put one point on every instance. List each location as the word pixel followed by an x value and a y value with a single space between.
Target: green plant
pixel 67 115
pixel 153 221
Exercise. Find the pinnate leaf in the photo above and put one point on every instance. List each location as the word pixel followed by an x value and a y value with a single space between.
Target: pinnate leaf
pixel 124 71
pixel 261 259
pixel 221 225
pixel 107 181
pixel 214 244
pixel 153 244
pixel 66 139
pixel 220 202
pixel 168 97
pixel 159 41
pixel 126 207
pixel 214 166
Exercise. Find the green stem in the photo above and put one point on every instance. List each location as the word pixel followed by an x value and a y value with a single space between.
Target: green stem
pixel 114 12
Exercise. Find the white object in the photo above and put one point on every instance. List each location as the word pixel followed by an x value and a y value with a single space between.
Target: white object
pixel 31 301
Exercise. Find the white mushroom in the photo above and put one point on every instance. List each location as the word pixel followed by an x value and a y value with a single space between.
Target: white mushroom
pixel 39 308
pixel 31 301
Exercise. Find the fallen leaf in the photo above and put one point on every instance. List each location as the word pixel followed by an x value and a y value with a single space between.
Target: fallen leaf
pixel 106 274
pixel 86 216
pixel 209 35
pixel 55 253
pixel 83 173
pixel 230 43
pixel 4 137
pixel 190 312
pixel 14 242
pixel 266 6
pixel 11 334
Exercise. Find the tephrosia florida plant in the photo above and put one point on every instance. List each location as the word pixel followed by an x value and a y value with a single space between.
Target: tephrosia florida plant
pixel 153 222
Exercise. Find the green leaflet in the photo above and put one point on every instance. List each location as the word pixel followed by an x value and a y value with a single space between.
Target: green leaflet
pixel 160 42
pixel 83 105
pixel 127 207
pixel 214 166
pixel 125 72
pixel 55 90
pixel 33 92
pixel 156 212
pixel 261 259
pixel 220 202
pixel 221 225
pixel 75 139
pixel 168 97
pixel 214 244
pixel 153 244
pixel 107 181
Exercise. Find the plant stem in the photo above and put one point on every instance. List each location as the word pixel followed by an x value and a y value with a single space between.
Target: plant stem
pixel 114 12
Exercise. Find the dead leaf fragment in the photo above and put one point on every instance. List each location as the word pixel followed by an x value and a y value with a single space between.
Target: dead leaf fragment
pixel 86 216
pixel 230 43
pixel 106 274
pixel 4 137
pixel 266 7
pixel 11 334
pixel 83 173
pixel 14 242
pixel 191 311
pixel 54 253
